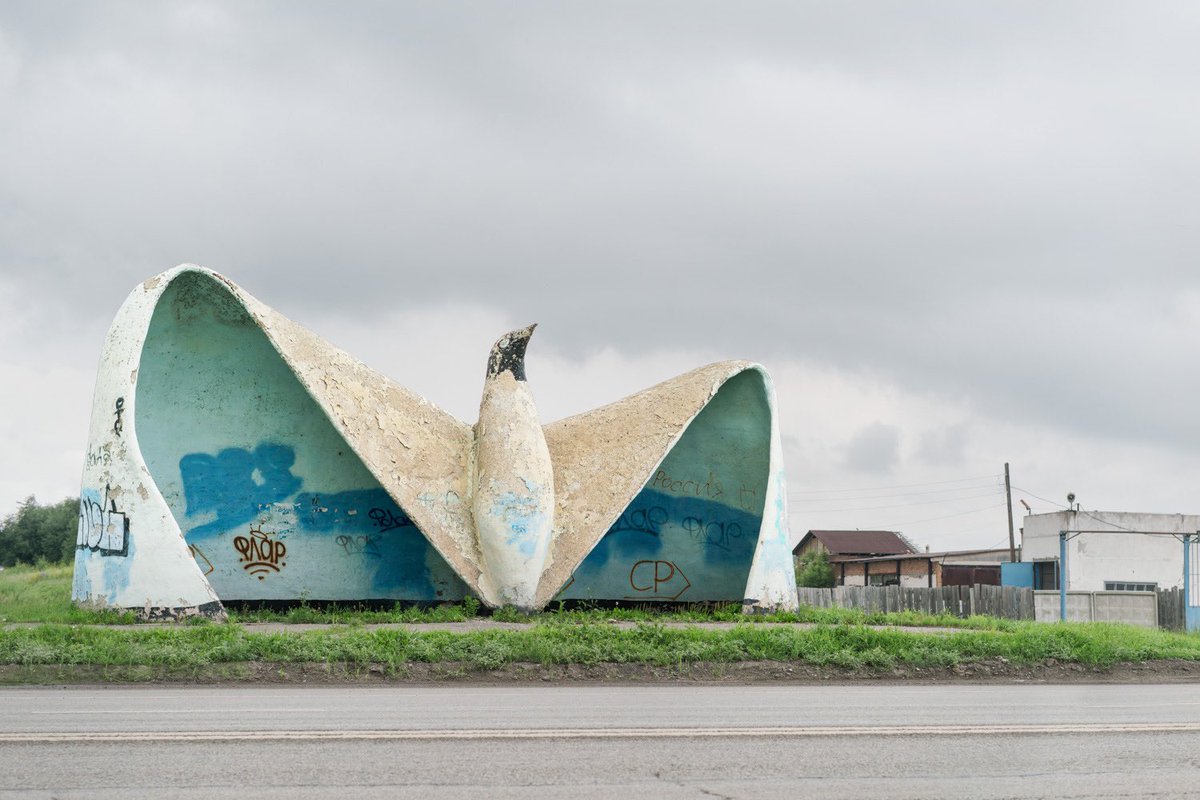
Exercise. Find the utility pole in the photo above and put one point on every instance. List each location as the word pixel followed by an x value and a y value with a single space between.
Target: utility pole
pixel 1012 544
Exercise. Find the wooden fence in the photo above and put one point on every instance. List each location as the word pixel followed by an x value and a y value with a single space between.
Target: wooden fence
pixel 1170 609
pixel 1008 602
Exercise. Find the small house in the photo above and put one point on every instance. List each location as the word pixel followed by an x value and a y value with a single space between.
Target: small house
pixel 842 547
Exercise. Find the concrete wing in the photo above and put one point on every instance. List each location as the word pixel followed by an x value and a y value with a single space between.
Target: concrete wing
pixel 603 458
pixel 419 453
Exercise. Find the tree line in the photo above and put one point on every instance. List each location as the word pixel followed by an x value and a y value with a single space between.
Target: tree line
pixel 39 534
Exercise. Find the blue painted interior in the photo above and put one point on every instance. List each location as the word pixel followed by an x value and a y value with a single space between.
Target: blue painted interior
pixel 273 503
pixel 690 534
pixel 1016 573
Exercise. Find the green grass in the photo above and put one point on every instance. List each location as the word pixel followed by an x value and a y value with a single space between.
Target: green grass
pixel 43 594
pixel 840 637
pixel 583 636
pixel 847 646
pixel 350 614
pixel 731 612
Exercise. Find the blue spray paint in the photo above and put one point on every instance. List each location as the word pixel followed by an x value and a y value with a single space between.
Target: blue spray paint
pixel 116 573
pixel 236 483
pixel 357 509
pixel 665 547
pixel 369 525
pixel 232 439
pixel 241 486
pixel 521 516
pixel 103 532
pixel 81 582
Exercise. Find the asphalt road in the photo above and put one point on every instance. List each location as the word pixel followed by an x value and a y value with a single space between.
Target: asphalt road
pixel 855 741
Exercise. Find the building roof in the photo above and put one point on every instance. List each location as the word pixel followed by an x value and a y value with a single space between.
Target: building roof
pixel 858 543
pixel 989 556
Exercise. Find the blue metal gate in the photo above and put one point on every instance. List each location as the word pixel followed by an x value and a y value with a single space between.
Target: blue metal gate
pixel 1191 581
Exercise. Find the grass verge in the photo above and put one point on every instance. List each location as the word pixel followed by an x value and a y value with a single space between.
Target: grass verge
pixel 842 646
pixel 70 642
pixel 43 594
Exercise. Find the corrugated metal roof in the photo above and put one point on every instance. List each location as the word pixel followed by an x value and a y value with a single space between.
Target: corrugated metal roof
pixel 859 543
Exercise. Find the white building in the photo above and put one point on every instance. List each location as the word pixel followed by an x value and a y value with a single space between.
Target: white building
pixel 1107 550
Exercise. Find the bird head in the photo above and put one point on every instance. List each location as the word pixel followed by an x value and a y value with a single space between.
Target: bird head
pixel 508 353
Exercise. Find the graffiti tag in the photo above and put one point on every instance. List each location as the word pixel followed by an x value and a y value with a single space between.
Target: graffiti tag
pixel 102 528
pixel 359 545
pixel 750 499
pixel 658 579
pixel 711 488
pixel 261 555
pixel 119 425
pixel 385 519
pixel 717 534
pixel 642 520
pixel 450 499
pixel 198 554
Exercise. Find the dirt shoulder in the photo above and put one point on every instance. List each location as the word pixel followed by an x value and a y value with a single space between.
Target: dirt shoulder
pixel 743 672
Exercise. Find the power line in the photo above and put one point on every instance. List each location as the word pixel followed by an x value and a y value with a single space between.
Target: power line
pixel 897 486
pixel 899 505
pixel 999 545
pixel 886 496
pixel 1085 512
pixel 1039 497
pixel 1106 522
pixel 988 528
pixel 893 525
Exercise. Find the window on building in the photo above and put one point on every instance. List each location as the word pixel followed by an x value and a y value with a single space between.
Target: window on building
pixel 889 579
pixel 1129 586
pixel 1045 574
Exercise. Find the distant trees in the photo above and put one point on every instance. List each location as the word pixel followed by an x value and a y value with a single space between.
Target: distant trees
pixel 39 533
pixel 814 571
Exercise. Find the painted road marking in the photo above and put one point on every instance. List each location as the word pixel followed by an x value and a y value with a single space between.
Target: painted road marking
pixel 596 733
pixel 184 711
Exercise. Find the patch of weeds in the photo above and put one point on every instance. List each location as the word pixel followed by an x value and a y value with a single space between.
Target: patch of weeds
pixel 510 614
pixel 488 654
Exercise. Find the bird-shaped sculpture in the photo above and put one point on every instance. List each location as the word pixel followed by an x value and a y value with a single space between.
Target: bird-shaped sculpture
pixel 514 479
pixel 236 456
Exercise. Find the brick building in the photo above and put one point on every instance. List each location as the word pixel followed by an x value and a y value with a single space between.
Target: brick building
pixel 885 558
pixel 853 546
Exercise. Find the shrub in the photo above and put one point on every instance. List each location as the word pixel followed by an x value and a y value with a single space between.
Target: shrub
pixel 814 570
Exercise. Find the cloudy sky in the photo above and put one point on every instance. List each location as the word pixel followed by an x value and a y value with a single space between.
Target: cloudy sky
pixel 958 234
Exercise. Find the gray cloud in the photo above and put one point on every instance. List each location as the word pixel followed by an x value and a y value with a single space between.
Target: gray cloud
pixel 875 449
pixel 944 447
pixel 985 202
